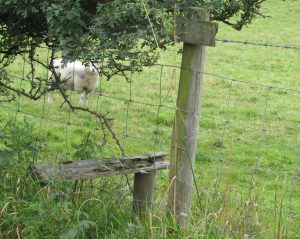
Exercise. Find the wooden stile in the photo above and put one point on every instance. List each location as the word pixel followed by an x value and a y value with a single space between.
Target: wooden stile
pixel 94 168
pixel 143 167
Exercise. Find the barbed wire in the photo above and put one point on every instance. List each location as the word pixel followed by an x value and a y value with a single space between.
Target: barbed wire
pixel 267 44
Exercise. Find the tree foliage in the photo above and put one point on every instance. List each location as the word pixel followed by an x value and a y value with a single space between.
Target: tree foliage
pixel 127 34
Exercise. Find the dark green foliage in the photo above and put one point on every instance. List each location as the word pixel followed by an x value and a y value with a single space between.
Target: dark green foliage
pixel 126 34
pixel 28 210
pixel 85 150
pixel 19 147
pixel 19 144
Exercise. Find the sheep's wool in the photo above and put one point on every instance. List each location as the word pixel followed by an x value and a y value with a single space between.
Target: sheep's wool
pixel 77 76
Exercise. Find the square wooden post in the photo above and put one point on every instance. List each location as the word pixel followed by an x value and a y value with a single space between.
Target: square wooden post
pixel 195 35
pixel 143 194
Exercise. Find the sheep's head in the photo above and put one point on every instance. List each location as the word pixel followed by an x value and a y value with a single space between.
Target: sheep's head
pixel 90 68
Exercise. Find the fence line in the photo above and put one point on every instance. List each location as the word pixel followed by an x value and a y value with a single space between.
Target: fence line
pixel 249 204
pixel 162 104
pixel 143 139
pixel 229 78
pixel 267 44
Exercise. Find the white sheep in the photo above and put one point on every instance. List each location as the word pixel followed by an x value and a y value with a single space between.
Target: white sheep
pixel 78 76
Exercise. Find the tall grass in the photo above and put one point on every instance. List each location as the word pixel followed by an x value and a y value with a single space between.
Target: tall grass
pixel 248 177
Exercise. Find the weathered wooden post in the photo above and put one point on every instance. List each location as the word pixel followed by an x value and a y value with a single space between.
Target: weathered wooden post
pixel 195 35
pixel 143 194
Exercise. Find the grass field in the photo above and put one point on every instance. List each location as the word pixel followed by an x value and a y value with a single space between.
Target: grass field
pixel 247 167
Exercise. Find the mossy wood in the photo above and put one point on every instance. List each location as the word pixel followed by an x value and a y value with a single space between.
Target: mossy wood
pixel 143 194
pixel 143 167
pixel 200 32
pixel 186 123
pixel 93 168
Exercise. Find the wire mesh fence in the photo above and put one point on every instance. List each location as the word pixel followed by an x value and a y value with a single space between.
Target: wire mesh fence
pixel 248 151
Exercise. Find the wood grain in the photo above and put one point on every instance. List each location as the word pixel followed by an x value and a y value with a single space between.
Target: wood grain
pixel 93 168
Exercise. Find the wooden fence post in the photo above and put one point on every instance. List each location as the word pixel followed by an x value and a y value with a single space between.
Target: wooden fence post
pixel 195 36
pixel 143 194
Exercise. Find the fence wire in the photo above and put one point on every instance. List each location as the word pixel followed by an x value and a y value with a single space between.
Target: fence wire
pixel 143 112
pixel 267 44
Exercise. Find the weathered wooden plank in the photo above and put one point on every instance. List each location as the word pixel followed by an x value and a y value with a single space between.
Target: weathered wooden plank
pixel 93 168
pixel 196 33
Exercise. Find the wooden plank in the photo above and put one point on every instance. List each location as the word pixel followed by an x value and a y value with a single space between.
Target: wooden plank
pixel 93 168
pixel 197 33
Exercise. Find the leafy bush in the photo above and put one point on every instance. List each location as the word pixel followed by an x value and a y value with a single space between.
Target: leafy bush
pixel 19 146
pixel 128 35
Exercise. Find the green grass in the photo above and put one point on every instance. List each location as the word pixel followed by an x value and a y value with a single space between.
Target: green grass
pixel 235 201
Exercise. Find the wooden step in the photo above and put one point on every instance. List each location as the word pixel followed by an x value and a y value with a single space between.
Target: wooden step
pixel 94 168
